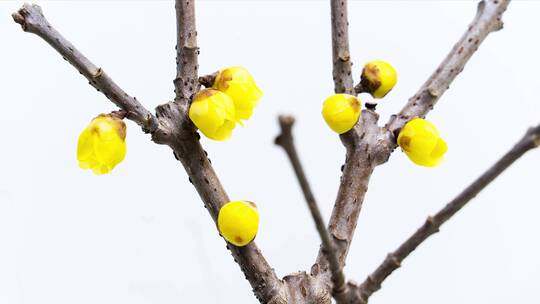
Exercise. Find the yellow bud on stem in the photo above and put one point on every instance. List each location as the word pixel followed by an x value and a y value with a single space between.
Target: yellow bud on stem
pixel 238 222
pixel 421 142
pixel 341 112
pixel 378 78
pixel 102 145
pixel 238 84
pixel 213 112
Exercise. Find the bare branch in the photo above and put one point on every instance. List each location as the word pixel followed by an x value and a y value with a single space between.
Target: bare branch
pixel 31 18
pixel 487 20
pixel 343 82
pixel 286 141
pixel 360 294
pixel 186 82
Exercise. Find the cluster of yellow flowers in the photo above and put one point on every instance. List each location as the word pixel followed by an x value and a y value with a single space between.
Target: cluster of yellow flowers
pixel 215 111
pixel 419 139
pixel 232 98
pixel 342 111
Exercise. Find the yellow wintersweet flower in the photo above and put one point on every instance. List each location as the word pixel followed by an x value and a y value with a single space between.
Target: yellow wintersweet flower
pixel 422 143
pixel 213 113
pixel 341 112
pixel 102 144
pixel 238 222
pixel 238 83
pixel 378 78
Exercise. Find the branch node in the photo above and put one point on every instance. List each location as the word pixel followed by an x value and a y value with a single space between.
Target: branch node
pixel 434 92
pixel 97 73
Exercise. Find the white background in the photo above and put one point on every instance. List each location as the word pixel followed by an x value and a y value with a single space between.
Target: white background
pixel 141 235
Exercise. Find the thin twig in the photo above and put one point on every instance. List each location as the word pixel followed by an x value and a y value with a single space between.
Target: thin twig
pixel 286 140
pixel 186 82
pixel 360 294
pixel 341 58
pixel 31 18
pixel 487 20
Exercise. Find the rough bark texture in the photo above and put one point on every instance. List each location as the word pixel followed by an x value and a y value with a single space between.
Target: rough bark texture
pixel 187 66
pixel 367 146
pixel 341 57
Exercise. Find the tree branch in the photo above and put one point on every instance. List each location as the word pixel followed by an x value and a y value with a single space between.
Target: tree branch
pixel 361 294
pixel 359 163
pixel 31 18
pixel 343 82
pixel 369 146
pixel 487 20
pixel 186 82
pixel 170 126
pixel 286 141
pixel 362 156
pixel 180 134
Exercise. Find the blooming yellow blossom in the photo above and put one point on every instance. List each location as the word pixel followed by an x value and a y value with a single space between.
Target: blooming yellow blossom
pixel 102 144
pixel 238 222
pixel 378 78
pixel 341 112
pixel 213 112
pixel 422 143
pixel 238 83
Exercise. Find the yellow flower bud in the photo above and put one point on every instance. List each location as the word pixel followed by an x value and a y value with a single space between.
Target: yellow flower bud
pixel 341 112
pixel 238 222
pixel 238 83
pixel 378 78
pixel 213 113
pixel 102 144
pixel 422 143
